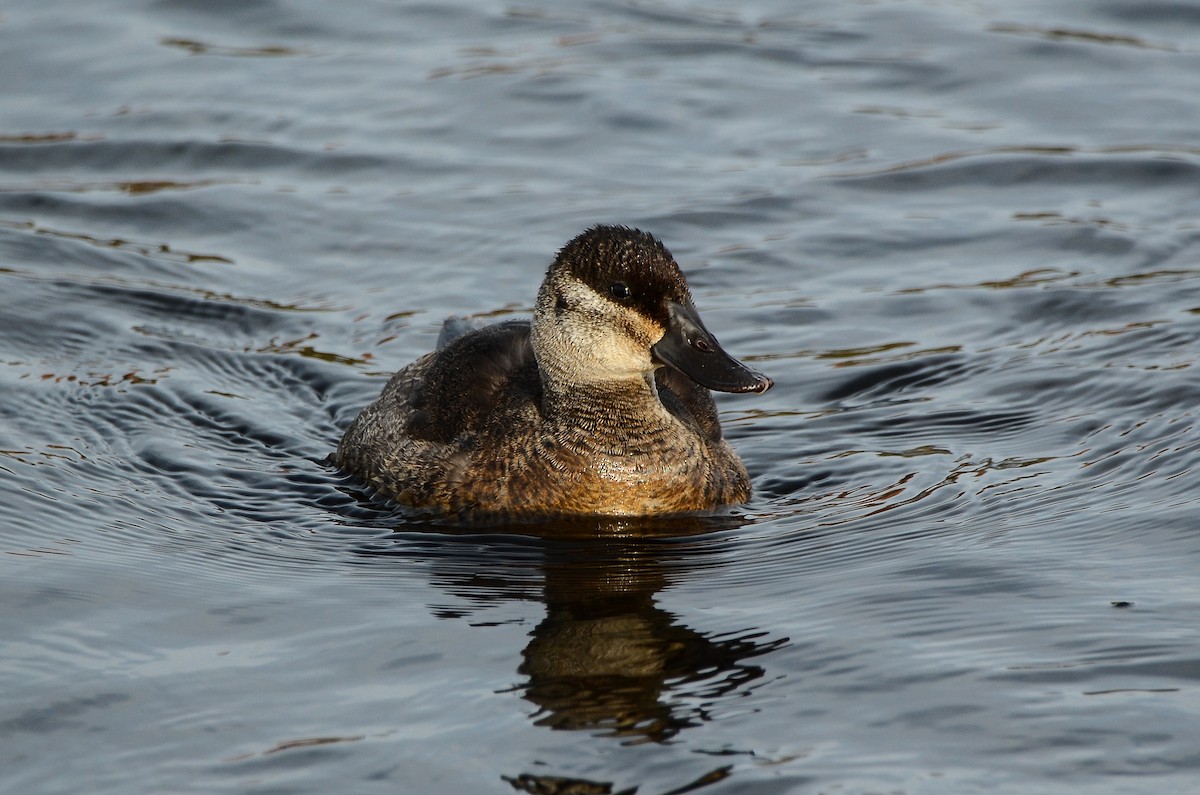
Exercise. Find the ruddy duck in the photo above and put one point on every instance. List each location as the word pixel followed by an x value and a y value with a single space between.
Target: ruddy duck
pixel 572 414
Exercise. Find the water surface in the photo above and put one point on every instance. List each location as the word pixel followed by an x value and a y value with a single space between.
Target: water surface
pixel 962 237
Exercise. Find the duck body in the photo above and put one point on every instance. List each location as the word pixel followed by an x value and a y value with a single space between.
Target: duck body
pixel 594 408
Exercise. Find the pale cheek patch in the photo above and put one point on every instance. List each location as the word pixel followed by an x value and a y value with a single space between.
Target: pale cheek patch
pixel 607 348
pixel 612 339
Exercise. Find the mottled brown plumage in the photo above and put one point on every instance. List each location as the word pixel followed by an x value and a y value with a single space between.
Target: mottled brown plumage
pixel 572 414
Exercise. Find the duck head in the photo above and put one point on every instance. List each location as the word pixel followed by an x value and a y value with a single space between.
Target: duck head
pixel 615 306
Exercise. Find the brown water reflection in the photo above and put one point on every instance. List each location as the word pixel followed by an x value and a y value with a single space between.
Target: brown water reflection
pixel 607 659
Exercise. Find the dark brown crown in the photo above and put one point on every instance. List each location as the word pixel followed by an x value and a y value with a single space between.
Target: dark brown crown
pixel 606 256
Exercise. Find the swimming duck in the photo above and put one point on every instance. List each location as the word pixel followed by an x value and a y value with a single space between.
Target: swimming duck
pixel 600 406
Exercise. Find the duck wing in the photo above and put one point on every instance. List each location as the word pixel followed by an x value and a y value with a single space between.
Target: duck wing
pixel 455 326
pixel 475 372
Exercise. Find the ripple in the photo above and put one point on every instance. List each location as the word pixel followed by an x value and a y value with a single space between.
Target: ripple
pixel 164 453
pixel 1132 166
pixel 1082 36
pixel 202 48
pixel 240 157
pixel 918 373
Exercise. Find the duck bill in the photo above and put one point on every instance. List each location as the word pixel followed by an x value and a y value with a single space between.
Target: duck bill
pixel 692 350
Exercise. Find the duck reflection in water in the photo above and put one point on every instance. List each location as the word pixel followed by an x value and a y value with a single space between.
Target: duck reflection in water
pixel 607 658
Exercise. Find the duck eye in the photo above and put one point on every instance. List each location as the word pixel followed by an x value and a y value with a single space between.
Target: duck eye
pixel 619 290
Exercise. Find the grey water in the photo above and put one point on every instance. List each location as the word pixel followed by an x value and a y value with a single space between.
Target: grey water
pixel 963 237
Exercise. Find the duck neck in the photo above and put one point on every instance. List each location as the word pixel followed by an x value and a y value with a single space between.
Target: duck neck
pixel 619 402
pixel 572 391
